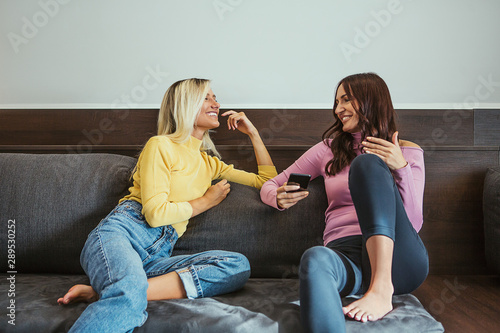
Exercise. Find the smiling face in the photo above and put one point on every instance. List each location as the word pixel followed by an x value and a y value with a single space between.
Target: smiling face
pixel 346 112
pixel 208 117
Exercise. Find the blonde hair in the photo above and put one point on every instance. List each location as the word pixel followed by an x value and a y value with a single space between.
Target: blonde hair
pixel 179 110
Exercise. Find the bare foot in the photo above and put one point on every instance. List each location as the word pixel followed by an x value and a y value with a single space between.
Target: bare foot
pixel 79 293
pixel 374 305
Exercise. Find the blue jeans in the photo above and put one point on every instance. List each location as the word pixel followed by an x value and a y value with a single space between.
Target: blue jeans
pixel 123 251
pixel 343 268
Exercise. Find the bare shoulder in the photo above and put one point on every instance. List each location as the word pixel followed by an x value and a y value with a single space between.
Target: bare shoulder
pixel 405 143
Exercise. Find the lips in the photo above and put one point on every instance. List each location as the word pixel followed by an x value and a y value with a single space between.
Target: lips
pixel 212 114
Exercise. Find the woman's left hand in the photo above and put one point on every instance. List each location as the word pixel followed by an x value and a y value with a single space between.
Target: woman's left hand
pixel 239 121
pixel 389 152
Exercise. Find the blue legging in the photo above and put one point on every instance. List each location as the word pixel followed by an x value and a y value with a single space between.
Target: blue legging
pixel 343 268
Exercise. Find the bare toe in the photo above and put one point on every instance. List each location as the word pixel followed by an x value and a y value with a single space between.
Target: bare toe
pixel 79 293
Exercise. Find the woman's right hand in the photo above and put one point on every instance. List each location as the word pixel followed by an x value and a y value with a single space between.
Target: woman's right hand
pixel 216 193
pixel 212 197
pixel 287 199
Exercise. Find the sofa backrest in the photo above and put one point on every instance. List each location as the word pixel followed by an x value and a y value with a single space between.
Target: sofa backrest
pixel 56 200
pixel 272 240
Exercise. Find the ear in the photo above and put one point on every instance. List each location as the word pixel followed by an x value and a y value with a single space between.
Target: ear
pixel 395 138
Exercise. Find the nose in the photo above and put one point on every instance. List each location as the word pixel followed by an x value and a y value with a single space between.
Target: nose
pixel 215 105
pixel 338 109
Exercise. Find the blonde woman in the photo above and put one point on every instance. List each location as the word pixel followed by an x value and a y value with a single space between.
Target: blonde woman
pixel 127 257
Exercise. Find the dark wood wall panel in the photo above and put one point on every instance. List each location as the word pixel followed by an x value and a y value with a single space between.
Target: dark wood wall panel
pixel 487 127
pixel 428 128
pixel 280 127
pixel 431 128
pixel 77 127
pixel 242 157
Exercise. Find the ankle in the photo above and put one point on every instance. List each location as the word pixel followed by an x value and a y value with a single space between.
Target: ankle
pixel 382 288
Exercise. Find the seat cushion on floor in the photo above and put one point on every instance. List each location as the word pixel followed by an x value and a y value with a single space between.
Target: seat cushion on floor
pixel 263 305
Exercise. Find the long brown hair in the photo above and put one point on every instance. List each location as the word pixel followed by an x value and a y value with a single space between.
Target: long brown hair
pixel 372 102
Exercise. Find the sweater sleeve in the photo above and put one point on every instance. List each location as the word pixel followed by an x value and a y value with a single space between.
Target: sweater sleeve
pixel 222 170
pixel 309 163
pixel 154 172
pixel 410 181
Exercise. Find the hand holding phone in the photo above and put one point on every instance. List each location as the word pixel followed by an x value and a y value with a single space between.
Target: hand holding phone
pixel 299 179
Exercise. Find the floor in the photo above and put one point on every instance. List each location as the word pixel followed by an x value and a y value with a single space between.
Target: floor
pixel 463 304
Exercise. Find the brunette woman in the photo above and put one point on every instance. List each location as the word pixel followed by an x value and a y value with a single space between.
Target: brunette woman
pixel 374 183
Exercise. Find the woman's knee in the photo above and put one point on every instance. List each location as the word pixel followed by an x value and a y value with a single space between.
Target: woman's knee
pixel 232 264
pixel 233 261
pixel 241 267
pixel 316 259
pixel 366 163
pixel 223 272
pixel 321 266
pixel 368 174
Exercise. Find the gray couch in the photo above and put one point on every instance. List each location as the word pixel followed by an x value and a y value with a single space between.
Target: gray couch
pixel 51 202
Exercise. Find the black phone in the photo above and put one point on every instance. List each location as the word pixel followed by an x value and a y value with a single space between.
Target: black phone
pixel 299 179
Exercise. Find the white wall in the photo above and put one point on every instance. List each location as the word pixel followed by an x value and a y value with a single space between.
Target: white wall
pixel 259 53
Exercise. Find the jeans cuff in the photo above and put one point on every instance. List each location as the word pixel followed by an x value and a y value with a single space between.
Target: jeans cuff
pixel 191 282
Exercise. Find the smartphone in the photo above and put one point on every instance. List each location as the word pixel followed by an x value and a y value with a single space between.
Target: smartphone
pixel 299 179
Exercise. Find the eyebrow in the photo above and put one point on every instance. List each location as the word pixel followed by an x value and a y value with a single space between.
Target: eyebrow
pixel 212 95
pixel 344 95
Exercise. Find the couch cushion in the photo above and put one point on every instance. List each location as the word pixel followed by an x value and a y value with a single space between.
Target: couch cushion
pixel 55 201
pixel 263 305
pixel 273 241
pixel 491 210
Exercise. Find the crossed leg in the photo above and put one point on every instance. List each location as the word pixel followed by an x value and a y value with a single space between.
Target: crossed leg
pixel 168 286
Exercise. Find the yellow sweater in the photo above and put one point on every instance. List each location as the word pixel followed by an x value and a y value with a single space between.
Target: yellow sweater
pixel 169 175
